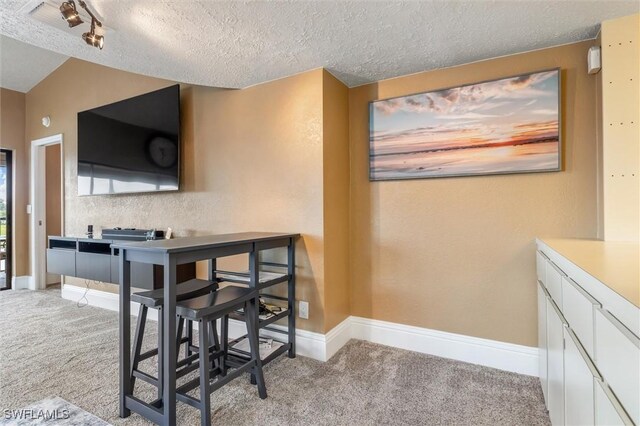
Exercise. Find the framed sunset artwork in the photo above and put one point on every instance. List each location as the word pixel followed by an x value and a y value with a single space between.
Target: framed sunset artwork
pixel 511 125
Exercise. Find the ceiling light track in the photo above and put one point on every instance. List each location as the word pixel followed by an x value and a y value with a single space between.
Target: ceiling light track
pixel 70 14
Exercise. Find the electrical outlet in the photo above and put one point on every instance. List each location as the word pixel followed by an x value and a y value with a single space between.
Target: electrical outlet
pixel 303 309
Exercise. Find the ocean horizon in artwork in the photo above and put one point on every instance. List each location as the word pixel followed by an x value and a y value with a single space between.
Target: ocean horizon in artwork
pixel 503 126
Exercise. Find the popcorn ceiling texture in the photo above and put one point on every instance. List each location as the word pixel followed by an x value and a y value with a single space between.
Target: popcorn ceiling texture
pixel 22 65
pixel 238 44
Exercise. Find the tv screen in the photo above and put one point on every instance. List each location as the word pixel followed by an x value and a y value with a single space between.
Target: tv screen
pixel 131 146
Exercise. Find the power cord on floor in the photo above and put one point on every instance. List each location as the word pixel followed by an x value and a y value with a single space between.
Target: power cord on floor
pixel 80 303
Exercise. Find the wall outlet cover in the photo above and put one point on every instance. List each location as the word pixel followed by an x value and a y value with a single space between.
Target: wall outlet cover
pixel 303 309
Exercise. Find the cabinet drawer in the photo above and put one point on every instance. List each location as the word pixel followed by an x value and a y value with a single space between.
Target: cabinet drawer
pixel 541 265
pixel 93 266
pixel 608 410
pixel 618 358
pixel 141 273
pixel 553 283
pixel 579 372
pixel 60 261
pixel 578 307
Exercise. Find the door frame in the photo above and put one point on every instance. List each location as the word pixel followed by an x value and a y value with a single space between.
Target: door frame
pixel 9 207
pixel 38 221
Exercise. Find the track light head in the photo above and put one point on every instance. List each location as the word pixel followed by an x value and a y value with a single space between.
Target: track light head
pixel 70 14
pixel 93 39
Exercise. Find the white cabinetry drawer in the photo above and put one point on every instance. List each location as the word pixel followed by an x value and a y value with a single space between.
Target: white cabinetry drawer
pixel 609 412
pixel 541 265
pixel 578 308
pixel 618 357
pixel 553 283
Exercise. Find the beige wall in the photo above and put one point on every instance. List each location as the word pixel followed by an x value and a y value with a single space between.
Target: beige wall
pixel 621 135
pixel 12 128
pixel 335 120
pixel 453 254
pixel 252 160
pixel 457 254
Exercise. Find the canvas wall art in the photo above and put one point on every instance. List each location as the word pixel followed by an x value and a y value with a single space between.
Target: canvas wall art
pixel 511 125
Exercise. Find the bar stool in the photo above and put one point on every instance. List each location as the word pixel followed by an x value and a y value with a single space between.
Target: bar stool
pixel 207 310
pixel 154 299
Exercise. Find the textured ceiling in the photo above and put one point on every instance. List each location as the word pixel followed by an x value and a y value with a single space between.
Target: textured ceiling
pixel 238 43
pixel 22 66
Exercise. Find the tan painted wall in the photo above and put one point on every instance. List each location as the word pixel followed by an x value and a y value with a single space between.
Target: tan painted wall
pixel 252 160
pixel 12 136
pixel 457 254
pixel 336 199
pixel 621 127
pixel 53 178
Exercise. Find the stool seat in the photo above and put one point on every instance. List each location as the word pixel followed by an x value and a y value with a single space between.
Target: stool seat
pixel 185 290
pixel 210 304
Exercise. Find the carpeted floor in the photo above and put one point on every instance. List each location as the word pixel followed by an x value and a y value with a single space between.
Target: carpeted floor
pixel 51 348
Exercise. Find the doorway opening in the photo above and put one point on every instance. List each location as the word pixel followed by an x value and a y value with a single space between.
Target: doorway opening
pixel 47 208
pixel 6 222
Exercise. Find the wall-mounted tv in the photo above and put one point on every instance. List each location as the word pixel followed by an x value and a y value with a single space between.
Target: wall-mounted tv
pixel 131 146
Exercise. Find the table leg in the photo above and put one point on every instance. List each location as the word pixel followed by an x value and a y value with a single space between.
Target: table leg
pixel 125 332
pixel 254 279
pixel 291 296
pixel 168 342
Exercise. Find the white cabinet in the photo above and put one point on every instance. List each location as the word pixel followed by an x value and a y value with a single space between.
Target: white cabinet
pixel 608 410
pixel 618 355
pixel 579 373
pixel 542 338
pixel 541 266
pixel 578 309
pixel 553 283
pixel 555 363
pixel 589 346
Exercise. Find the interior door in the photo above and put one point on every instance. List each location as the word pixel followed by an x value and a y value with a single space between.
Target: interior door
pixel 6 205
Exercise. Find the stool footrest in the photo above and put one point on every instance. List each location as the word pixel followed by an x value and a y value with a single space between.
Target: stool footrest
pixel 145 377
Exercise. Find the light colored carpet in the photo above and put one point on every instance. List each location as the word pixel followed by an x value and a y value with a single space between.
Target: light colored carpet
pixel 49 347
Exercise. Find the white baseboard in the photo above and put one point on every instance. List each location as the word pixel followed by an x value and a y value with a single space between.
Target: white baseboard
pixel 491 353
pixel 22 283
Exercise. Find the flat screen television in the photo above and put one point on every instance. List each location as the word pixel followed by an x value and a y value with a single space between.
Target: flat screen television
pixel 131 146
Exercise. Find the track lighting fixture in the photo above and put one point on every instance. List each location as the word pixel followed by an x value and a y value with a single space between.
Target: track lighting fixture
pixel 93 39
pixel 70 14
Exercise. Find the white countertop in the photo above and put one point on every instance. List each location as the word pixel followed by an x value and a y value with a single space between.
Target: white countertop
pixel 615 264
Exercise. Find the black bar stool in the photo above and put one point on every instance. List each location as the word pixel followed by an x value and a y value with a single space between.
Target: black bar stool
pixel 207 310
pixel 154 299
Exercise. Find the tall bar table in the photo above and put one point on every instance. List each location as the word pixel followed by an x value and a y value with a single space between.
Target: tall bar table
pixel 169 254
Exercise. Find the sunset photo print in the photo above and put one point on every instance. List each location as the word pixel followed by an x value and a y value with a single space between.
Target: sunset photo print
pixel 503 126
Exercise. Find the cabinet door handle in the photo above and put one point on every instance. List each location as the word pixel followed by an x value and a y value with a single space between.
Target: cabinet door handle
pixel 620 326
pixel 543 255
pixel 544 289
pixel 583 353
pixel 583 292
pixel 557 268
pixel 558 312
pixel 616 404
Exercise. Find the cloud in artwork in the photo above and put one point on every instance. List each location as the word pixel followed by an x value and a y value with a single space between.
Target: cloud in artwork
pixel 475 97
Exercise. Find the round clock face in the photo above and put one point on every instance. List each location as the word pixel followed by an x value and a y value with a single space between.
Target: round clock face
pixel 163 151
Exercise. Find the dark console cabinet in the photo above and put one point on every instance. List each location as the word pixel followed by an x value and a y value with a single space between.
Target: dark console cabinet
pixel 94 259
